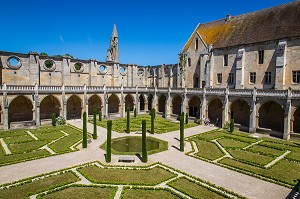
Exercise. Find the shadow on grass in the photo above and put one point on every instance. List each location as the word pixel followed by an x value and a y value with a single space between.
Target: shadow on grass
pixel 295 192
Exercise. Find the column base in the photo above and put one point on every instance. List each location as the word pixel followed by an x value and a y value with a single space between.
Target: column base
pixel 286 136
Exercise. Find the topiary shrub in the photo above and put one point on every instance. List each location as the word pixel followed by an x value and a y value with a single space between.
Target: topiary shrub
pixel 152 120
pixel 181 133
pixel 60 120
pixel 100 116
pixel 128 120
pixel 231 125
pixel 84 131
pixel 144 142
pixel 94 123
pixel 108 141
pixel 134 112
pixel 53 119
pixel 186 118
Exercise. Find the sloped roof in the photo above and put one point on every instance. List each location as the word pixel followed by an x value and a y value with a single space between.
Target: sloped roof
pixel 274 23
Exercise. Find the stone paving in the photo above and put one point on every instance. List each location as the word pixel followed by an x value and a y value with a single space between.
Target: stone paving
pixel 242 184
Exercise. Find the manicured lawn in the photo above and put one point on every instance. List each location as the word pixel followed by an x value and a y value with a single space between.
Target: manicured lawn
pixel 24 147
pixel 126 176
pixel 193 189
pixel 266 150
pixel 88 192
pixel 250 157
pixel 208 150
pixel 162 125
pixel 148 193
pixel 232 143
pixel 36 186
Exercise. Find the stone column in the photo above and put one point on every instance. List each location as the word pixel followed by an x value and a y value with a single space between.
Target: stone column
pixel 167 107
pixel 64 102
pixel 287 116
pixel 239 71
pixel 37 106
pixel 225 108
pixel 154 99
pixel 86 101
pixel 123 105
pixel 183 105
pixel 280 65
pixel 105 102
pixel 252 119
pixel 5 108
pixel 202 113
pixel 137 101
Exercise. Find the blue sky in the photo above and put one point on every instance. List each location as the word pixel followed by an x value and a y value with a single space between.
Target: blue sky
pixel 151 32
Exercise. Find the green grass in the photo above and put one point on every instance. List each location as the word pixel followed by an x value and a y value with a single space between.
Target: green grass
pixel 26 146
pixel 49 135
pixel 136 193
pixel 266 150
pixel 211 135
pixel 18 139
pixel 208 150
pixel 33 187
pixel 88 192
pixel 125 176
pixel 162 125
pixel 13 158
pixel 193 189
pixel 232 143
pixel 64 144
pixel 12 133
pixel 250 157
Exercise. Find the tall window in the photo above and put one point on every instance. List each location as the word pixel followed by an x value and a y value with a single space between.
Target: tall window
pixel 268 78
pixel 261 56
pixel 253 78
pixel 219 78
pixel 296 76
pixel 226 60
pixel 189 61
pixel 231 78
pixel 196 44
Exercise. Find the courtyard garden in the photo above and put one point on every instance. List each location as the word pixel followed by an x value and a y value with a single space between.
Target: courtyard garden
pixel 162 125
pixel 27 144
pixel 271 159
pixel 94 180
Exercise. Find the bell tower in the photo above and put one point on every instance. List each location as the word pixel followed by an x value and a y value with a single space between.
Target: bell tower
pixel 113 50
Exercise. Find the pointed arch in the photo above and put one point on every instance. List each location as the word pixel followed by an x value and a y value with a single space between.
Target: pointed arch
pixel 240 112
pixel 95 102
pixel 215 108
pixel 271 116
pixel 20 109
pixel 113 104
pixel 142 102
pixel 129 102
pixel 74 107
pixel 162 103
pixel 176 103
pixel 194 106
pixel 49 105
pixel 150 99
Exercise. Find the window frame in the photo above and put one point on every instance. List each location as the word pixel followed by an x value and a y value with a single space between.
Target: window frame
pixel 296 76
pixel 231 78
pixel 252 75
pixel 268 77
pixel 225 59
pixel 219 75
pixel 261 56
pixel 196 43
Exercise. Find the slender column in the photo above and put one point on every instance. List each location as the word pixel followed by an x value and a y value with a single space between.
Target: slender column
pixel 252 119
pixel 183 105
pixel 105 105
pixel 137 101
pixel 37 106
pixel 203 102
pixel 64 102
pixel 154 99
pixel 86 101
pixel 5 108
pixel 225 108
pixel 123 112
pixel 167 106
pixel 287 116
pixel 146 101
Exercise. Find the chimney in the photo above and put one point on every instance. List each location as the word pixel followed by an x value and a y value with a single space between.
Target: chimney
pixel 228 17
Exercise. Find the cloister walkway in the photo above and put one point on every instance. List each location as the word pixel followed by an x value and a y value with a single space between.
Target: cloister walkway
pixel 242 184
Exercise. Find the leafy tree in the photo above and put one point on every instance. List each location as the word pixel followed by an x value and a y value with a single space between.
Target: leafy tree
pixel 53 119
pixel 231 125
pixel 43 54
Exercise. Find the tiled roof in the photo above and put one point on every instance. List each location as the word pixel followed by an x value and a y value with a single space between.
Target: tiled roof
pixel 264 25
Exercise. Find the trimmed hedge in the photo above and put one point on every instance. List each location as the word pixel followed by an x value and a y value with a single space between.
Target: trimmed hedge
pixel 84 132
pixel 108 146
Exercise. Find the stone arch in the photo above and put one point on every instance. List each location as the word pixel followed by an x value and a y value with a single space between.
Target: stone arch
pixel 194 106
pixel 240 112
pixel 20 109
pixel 150 99
pixel 296 123
pixel 74 107
pixel 271 116
pixel 162 103
pixel 129 101
pixel 142 102
pixel 113 104
pixel 95 102
pixel 49 105
pixel 215 109
pixel 176 103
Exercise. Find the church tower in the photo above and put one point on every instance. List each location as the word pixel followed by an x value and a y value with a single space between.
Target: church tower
pixel 113 51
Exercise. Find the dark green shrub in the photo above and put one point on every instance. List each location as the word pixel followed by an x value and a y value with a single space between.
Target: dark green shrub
pixel 144 142
pixel 108 142
pixel 95 126
pixel 134 112
pixel 128 120
pixel 84 131
pixel 186 118
pixel 53 119
pixel 181 133
pixel 152 120
pixel 231 125
pixel 100 116
pixel 60 120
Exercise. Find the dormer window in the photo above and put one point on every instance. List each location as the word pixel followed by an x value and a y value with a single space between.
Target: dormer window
pixel 196 44
pixel 189 62
pixel 226 60
pixel 261 56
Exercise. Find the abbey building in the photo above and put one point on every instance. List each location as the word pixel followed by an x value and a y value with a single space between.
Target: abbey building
pixel 244 67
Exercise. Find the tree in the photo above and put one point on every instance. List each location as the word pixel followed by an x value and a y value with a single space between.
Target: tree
pixel 94 123
pixel 134 112
pixel 68 55
pixel 152 120
pixel 181 133
pixel 43 54
pixel 144 142
pixel 186 118
pixel 128 120
pixel 100 116
pixel 84 131
pixel 231 125
pixel 108 141
pixel 53 119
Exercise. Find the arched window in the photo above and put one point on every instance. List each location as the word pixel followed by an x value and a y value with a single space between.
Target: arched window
pixel 196 44
pixel 189 62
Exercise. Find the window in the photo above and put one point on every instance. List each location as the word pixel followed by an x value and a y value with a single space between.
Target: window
pixel 296 76
pixel 189 61
pixel 196 44
pixel 261 57
pixel 226 60
pixel 219 78
pixel 231 78
pixel 267 77
pixel 252 78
